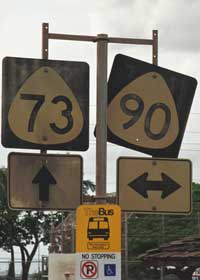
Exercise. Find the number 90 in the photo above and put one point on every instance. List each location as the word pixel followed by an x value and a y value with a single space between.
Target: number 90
pixel 136 114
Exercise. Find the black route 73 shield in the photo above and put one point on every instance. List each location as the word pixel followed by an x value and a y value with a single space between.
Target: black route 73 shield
pixel 148 106
pixel 45 104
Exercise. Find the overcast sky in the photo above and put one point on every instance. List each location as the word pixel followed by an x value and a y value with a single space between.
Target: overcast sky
pixel 177 22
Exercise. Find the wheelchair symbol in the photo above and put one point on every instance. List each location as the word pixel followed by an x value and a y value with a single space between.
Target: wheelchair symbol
pixel 110 269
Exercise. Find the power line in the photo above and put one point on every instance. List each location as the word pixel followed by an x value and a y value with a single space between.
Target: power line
pixel 93 143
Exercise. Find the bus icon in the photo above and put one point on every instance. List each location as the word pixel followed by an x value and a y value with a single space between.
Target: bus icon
pixel 98 227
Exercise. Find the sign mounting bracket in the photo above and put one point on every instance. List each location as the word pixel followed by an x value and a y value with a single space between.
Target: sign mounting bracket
pixel 101 129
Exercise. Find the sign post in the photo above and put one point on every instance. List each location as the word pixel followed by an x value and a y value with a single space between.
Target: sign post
pixel 101 131
pixel 36 116
pixel 102 41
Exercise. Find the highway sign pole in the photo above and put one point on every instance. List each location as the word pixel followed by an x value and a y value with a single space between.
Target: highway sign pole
pixel 101 115
pixel 102 41
pixel 155 47
pixel 45 41
pixel 45 51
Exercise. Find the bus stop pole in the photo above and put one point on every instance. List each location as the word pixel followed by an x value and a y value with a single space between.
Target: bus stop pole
pixel 101 115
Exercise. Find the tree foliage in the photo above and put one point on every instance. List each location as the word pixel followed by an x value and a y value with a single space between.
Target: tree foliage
pixel 149 231
pixel 23 228
pixel 88 186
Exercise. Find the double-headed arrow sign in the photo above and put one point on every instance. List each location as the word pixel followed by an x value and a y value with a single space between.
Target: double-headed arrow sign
pixel 154 185
pixel 141 185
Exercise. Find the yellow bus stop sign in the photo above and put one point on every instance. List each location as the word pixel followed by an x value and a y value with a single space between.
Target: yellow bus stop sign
pixel 98 228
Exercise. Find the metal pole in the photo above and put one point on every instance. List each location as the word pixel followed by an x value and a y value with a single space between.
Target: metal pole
pixel 155 62
pixel 155 47
pixel 101 116
pixel 73 232
pixel 45 41
pixel 45 54
pixel 102 41
pixel 163 240
pixel 126 244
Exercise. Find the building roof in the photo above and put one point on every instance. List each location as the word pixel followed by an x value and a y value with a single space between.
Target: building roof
pixel 181 252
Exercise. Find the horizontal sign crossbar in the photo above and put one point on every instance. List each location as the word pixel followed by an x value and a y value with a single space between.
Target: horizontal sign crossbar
pixel 95 39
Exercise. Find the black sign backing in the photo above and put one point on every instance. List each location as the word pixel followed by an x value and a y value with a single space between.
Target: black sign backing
pixel 148 106
pixel 45 104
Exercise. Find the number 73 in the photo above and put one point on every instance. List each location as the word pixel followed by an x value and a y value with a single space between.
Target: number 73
pixel 40 100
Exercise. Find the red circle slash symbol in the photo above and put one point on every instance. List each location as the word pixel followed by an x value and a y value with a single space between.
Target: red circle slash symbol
pixel 89 269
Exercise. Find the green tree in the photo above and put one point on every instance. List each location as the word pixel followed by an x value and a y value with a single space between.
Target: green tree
pixel 88 186
pixel 7 218
pixel 147 232
pixel 23 228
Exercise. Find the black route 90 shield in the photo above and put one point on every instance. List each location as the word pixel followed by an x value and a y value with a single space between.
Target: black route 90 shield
pixel 148 106
pixel 45 104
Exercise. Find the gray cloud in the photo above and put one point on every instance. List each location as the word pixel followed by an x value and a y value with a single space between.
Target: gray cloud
pixel 177 21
